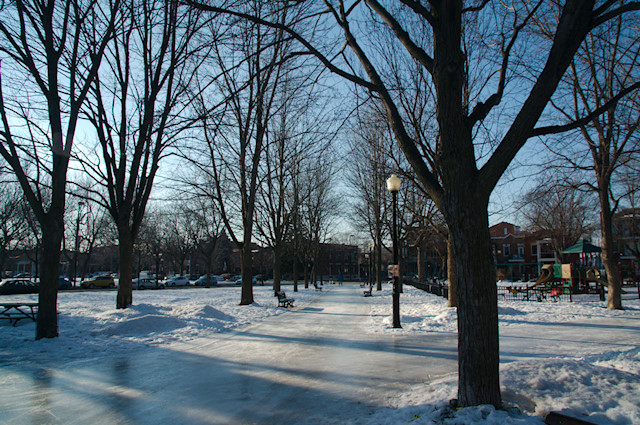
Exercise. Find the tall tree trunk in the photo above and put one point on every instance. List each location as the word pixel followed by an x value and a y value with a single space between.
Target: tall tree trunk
pixel 451 274
pixel 246 298
pixel 47 323
pixel 379 266
pixel 125 294
pixel 295 274
pixel 609 257
pixel 277 268
pixel 207 271
pixel 420 263
pixel 478 351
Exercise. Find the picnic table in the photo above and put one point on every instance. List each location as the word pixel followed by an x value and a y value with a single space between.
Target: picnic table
pixel 15 312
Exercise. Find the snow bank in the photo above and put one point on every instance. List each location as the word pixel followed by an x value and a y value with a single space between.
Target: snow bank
pixel 88 321
pixel 598 379
pixel 590 368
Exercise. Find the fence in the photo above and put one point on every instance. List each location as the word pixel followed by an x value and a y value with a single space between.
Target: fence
pixel 433 288
pixel 544 293
pixel 539 293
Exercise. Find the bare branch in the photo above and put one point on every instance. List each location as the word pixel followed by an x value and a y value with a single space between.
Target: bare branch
pixel 555 129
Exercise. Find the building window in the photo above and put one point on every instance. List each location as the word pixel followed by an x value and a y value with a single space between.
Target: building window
pixel 505 230
pixel 521 250
pixel 534 249
pixel 506 250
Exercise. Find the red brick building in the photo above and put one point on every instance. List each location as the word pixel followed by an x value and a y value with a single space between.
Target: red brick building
pixel 518 254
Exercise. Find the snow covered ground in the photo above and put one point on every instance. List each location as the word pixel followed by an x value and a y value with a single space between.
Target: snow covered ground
pixel 579 358
pixel 588 365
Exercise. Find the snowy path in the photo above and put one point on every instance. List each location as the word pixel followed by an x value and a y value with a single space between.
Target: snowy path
pixel 315 364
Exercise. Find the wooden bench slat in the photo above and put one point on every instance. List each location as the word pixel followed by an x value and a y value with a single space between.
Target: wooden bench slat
pixel 15 312
pixel 283 301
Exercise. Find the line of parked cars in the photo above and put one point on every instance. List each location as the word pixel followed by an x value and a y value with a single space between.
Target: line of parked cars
pixel 28 286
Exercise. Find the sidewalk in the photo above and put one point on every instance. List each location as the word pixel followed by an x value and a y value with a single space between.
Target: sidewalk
pixel 307 366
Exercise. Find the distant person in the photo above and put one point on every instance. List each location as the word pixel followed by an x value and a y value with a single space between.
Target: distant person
pixel 340 279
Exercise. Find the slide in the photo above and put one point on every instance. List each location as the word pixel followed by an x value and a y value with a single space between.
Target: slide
pixel 593 275
pixel 546 275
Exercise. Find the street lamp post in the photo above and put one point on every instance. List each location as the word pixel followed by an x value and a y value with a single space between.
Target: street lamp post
pixel 158 260
pixel 393 185
pixel 370 265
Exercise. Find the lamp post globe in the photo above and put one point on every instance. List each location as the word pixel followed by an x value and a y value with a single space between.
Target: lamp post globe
pixel 393 185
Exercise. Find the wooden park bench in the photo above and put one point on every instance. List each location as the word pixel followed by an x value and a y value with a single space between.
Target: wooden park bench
pixel 283 301
pixel 367 292
pixel 18 311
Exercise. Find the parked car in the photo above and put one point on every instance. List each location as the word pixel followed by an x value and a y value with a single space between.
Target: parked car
pixel 238 280
pixel 177 281
pixel 146 284
pixel 18 286
pixel 99 282
pixel 64 283
pixel 202 280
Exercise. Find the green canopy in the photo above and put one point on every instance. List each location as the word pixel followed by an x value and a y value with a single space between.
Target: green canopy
pixel 582 246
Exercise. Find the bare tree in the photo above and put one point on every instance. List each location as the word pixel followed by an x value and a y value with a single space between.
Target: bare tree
pixel 299 132
pixel 52 52
pixel 606 65
pixel 559 210
pixel 317 209
pixel 274 213
pixel 87 227
pixel 252 75
pixel 95 229
pixel 464 66
pixel 205 231
pixel 178 238
pixel 370 169
pixel 630 179
pixel 152 240
pixel 13 226
pixel 137 106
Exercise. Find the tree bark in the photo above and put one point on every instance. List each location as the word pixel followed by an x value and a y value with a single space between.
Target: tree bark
pixel 125 294
pixel 452 275
pixel 420 263
pixel 47 323
pixel 295 274
pixel 207 270
pixel 379 266
pixel 478 350
pixel 609 257
pixel 246 297
pixel 277 269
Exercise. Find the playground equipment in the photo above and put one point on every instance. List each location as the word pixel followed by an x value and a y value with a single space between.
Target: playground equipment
pixel 593 275
pixel 556 279
pixel 550 273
